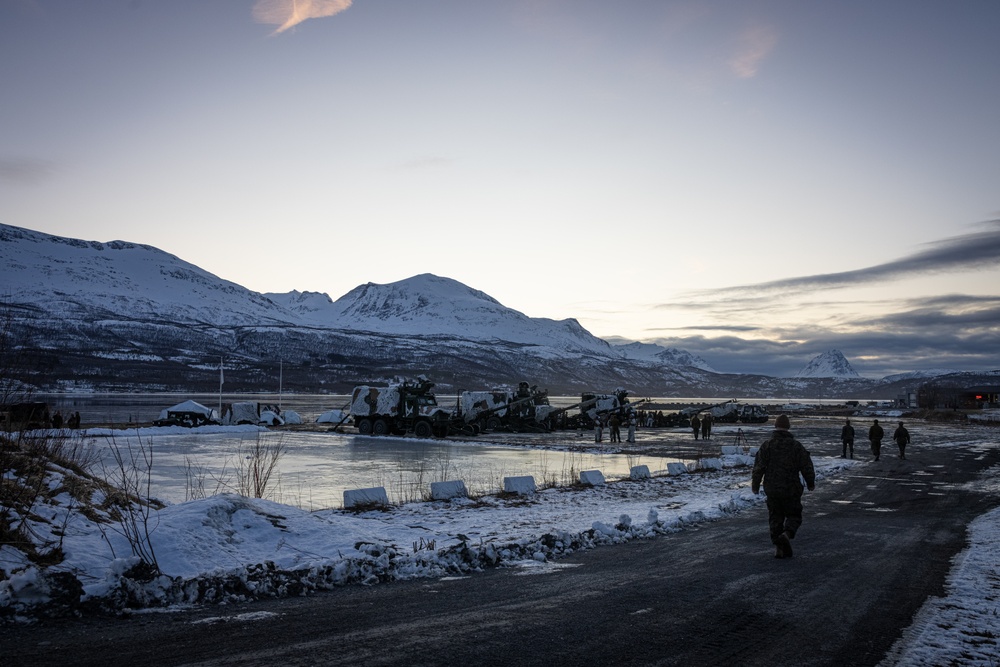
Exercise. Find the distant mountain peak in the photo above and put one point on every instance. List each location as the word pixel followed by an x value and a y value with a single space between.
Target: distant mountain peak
pixel 830 364
pixel 667 356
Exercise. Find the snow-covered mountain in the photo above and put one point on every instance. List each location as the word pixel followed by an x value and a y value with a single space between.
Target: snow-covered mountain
pixel 103 280
pixel 125 316
pixel 830 364
pixel 666 356
pixel 98 281
pixel 432 305
pixel 112 315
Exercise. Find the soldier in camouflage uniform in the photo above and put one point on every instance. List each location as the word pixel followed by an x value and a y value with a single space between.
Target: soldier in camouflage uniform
pixel 779 463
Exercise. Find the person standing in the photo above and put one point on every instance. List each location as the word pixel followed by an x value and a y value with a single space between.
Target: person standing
pixel 706 426
pixel 847 438
pixel 902 438
pixel 875 435
pixel 631 428
pixel 598 429
pixel 695 426
pixel 781 464
pixel 614 424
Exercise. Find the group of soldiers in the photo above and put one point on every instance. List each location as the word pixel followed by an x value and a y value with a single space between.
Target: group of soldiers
pixel 614 424
pixel 782 464
pixel 875 434
pixel 702 426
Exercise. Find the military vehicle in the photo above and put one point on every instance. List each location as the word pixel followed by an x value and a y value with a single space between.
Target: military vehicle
pixel 505 409
pixel 405 406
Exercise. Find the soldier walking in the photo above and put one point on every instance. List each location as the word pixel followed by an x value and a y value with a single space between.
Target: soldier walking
pixel 847 437
pixel 902 438
pixel 875 435
pixel 781 464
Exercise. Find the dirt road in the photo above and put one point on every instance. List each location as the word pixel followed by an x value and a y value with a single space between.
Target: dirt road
pixel 875 543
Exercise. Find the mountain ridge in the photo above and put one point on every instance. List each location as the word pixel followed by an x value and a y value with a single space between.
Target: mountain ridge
pixel 120 315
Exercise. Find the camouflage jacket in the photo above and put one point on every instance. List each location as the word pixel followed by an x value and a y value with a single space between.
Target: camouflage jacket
pixel 779 462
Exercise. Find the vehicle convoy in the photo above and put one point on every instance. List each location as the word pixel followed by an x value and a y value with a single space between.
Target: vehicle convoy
pixel 727 412
pixel 522 409
pixel 405 406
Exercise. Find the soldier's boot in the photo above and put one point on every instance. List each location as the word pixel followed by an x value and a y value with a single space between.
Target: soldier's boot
pixel 785 544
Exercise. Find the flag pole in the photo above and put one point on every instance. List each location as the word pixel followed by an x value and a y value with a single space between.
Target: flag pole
pixel 221 379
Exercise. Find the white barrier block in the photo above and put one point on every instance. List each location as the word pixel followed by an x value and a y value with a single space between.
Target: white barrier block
pixel 374 496
pixel 520 485
pixel 639 472
pixel 448 490
pixel 676 468
pixel 731 449
pixel 710 464
pixel 592 477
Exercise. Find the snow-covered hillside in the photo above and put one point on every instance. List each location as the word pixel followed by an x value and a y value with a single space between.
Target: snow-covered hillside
pixel 664 356
pixel 92 280
pixel 100 281
pixel 830 364
pixel 432 305
pixel 124 316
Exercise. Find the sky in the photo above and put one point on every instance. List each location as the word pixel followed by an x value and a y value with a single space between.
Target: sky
pixel 231 534
pixel 755 182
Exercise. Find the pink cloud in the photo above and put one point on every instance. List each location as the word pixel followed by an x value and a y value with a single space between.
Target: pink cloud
pixel 754 45
pixel 289 13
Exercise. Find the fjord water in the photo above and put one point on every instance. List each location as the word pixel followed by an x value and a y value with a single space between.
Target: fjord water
pixel 317 466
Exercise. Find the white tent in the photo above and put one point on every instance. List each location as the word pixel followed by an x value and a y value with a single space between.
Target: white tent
pixel 243 412
pixel 332 417
pixel 291 417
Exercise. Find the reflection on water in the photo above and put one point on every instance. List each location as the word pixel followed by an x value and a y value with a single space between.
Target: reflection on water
pixel 317 468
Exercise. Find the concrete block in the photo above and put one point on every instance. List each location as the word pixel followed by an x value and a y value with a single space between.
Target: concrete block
pixel 592 477
pixel 677 469
pixel 710 464
pixel 375 495
pixel 524 485
pixel 639 472
pixel 448 490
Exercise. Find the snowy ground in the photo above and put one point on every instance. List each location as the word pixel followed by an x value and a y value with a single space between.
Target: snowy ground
pixel 231 548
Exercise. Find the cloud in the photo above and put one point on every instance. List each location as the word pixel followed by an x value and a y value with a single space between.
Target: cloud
pixel 754 45
pixel 958 253
pixel 949 331
pixel 786 325
pixel 289 13
pixel 24 170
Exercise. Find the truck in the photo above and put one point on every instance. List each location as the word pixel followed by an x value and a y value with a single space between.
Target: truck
pixel 402 407
pixel 521 409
